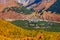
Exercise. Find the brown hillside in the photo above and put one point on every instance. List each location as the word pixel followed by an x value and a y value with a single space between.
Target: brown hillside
pixel 19 16
pixel 13 15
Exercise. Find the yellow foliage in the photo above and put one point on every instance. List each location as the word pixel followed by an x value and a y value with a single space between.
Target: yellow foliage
pixel 4 38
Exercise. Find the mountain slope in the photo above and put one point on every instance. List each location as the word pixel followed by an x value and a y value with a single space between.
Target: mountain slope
pixel 51 16
pixel 20 16
pixel 7 3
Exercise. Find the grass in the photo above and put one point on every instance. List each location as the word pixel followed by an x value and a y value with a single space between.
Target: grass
pixel 24 24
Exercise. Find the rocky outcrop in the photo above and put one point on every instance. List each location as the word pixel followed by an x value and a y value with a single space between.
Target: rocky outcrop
pixel 51 16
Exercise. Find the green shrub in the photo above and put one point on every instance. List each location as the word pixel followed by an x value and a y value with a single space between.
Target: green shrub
pixel 19 9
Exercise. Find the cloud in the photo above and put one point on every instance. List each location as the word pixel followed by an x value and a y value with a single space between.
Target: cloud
pixel 24 2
